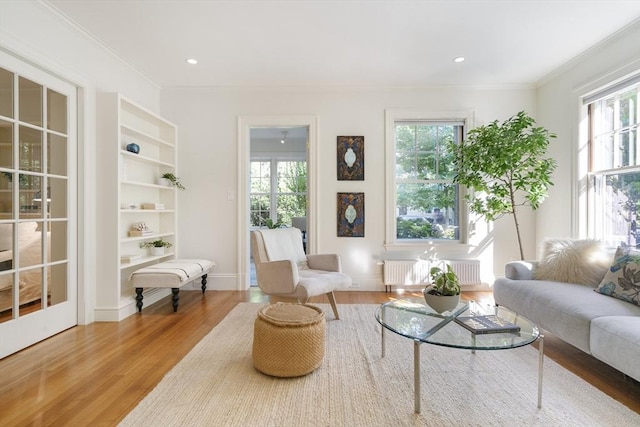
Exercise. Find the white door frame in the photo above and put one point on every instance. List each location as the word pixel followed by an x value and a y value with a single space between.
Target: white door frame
pixel 245 123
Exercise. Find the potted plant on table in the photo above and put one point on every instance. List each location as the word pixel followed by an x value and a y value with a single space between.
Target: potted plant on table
pixel 170 179
pixel 157 246
pixel 443 294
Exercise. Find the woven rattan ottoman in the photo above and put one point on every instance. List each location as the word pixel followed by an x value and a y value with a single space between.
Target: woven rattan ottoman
pixel 288 339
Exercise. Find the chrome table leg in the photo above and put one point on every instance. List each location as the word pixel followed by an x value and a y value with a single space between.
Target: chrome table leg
pixel 540 367
pixel 382 328
pixel 416 375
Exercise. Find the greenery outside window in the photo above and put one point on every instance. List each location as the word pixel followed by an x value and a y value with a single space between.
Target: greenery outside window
pixel 260 194
pixel 286 190
pixel 424 201
pixel 614 164
pixel 292 190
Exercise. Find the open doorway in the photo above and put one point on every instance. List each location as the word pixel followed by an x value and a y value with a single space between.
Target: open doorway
pixel 245 125
pixel 277 180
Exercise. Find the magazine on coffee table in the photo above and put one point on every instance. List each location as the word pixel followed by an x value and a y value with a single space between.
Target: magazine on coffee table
pixel 486 324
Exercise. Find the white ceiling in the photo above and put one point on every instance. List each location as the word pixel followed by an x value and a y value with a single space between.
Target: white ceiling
pixel 269 139
pixel 265 43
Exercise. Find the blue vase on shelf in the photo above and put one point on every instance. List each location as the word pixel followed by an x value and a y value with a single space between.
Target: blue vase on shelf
pixel 133 148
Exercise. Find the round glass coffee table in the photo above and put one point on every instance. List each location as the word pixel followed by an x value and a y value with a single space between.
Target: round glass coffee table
pixel 414 319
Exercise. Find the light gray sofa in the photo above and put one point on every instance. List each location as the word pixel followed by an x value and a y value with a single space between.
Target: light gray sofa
pixel 605 327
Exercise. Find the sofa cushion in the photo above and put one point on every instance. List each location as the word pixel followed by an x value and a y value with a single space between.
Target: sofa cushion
pixel 573 261
pixel 622 280
pixel 316 282
pixel 621 333
pixel 564 309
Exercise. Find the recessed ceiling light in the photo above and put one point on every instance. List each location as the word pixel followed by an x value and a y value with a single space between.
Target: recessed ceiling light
pixel 458 59
pixel 192 61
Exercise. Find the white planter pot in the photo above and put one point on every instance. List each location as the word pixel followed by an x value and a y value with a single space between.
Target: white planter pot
pixel 157 251
pixel 164 181
pixel 440 303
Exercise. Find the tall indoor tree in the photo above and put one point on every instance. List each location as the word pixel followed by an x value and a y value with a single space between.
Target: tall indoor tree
pixel 504 165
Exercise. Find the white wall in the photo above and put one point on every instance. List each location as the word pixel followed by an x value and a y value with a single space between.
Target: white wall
pixel 33 31
pixel 558 109
pixel 208 164
pixel 207 120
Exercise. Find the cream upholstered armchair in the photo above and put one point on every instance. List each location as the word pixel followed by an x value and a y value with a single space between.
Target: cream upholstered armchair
pixel 285 272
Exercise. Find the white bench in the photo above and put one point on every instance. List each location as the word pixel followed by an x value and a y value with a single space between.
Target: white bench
pixel 170 274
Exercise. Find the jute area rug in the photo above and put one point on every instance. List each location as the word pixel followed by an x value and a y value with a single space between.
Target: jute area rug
pixel 216 384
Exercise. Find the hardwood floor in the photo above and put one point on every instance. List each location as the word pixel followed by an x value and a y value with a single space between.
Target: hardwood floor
pixel 95 374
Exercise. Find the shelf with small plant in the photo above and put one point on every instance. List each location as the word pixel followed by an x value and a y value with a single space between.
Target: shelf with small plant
pixel 139 238
pixel 169 179
pixel 146 184
pixel 157 246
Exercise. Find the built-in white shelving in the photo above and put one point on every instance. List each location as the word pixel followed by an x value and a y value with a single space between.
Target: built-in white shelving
pixel 126 179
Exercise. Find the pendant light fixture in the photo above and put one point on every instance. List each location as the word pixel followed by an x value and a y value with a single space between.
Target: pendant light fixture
pixel 284 137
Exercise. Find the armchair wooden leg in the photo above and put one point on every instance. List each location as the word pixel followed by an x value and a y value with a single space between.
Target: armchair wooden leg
pixel 332 301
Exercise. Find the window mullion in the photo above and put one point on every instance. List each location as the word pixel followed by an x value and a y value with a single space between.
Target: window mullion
pixel 273 199
pixel 617 124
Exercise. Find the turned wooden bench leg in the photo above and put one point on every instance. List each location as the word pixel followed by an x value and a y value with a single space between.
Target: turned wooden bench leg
pixel 204 283
pixel 139 299
pixel 175 298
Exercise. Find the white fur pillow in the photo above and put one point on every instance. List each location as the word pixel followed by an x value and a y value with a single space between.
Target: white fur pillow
pixel 573 261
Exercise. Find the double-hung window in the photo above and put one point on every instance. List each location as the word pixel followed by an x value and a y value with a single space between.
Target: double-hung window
pixel 423 201
pixel 278 190
pixel 614 163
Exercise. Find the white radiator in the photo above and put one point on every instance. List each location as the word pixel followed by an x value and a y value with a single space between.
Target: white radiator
pixel 405 272
pixel 416 272
pixel 468 271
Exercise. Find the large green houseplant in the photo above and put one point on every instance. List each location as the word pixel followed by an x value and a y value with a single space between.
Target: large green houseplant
pixel 504 165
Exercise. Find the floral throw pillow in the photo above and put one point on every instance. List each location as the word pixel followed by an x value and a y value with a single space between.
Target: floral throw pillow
pixel 622 280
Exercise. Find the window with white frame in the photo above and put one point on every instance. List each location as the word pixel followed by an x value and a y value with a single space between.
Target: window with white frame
pixel 285 190
pixel 614 163
pixel 424 201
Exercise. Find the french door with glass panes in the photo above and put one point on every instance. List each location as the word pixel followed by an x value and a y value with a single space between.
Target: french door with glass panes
pixel 38 281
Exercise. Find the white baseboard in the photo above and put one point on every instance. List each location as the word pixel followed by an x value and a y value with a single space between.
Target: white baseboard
pixel 128 307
